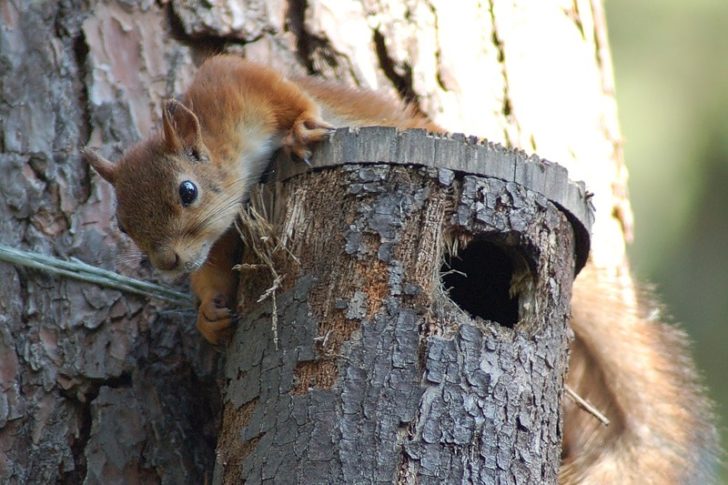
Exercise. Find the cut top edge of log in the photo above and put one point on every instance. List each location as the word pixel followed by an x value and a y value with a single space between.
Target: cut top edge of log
pixel 457 153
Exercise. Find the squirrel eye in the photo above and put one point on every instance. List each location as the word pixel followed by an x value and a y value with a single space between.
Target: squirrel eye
pixel 122 229
pixel 187 192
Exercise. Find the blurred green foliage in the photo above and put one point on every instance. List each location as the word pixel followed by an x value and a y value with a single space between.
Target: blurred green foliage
pixel 671 66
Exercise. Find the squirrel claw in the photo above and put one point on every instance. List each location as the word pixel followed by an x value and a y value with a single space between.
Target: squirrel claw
pixel 307 130
pixel 215 320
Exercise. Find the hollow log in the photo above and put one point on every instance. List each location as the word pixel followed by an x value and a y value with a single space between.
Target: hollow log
pixel 414 323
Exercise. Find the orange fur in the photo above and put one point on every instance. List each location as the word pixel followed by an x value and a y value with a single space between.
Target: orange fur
pixel 220 137
pixel 637 371
pixel 235 114
pixel 358 107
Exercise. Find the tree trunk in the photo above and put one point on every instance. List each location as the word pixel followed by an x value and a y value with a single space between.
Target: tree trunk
pixel 100 386
pixel 96 386
pixel 396 357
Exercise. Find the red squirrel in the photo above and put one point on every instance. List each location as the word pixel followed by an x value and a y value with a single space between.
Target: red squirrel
pixel 180 190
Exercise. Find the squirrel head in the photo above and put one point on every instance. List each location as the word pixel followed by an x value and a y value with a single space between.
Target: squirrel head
pixel 172 199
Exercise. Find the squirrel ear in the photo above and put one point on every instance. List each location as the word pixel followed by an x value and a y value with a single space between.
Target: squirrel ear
pixel 102 166
pixel 181 126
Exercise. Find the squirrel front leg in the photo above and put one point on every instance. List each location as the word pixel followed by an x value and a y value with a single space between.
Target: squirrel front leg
pixel 215 284
pixel 297 118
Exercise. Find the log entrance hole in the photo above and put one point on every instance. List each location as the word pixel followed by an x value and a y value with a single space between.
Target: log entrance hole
pixel 479 280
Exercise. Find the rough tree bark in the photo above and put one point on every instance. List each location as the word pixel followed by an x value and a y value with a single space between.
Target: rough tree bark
pixel 105 387
pixel 391 359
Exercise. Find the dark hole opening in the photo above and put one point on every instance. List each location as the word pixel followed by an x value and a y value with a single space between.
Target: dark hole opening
pixel 478 280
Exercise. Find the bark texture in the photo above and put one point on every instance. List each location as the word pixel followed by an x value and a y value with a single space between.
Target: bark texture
pixel 75 358
pixel 95 385
pixel 378 375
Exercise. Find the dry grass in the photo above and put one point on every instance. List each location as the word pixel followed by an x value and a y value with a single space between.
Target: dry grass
pixel 260 236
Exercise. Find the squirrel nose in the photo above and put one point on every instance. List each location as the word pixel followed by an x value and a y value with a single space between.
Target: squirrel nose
pixel 167 261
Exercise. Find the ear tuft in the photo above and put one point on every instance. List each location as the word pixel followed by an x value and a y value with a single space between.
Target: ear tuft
pixel 181 126
pixel 102 166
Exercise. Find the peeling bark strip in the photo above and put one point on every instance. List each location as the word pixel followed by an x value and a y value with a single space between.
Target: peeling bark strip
pixel 378 374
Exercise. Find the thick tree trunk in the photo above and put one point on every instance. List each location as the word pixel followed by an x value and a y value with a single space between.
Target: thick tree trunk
pixel 95 385
pixel 392 358
pixel 100 386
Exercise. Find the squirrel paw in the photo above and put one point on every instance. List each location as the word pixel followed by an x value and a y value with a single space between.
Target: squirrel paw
pixel 215 319
pixel 306 130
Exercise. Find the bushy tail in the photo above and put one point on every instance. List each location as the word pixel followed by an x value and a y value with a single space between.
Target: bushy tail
pixel 638 372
